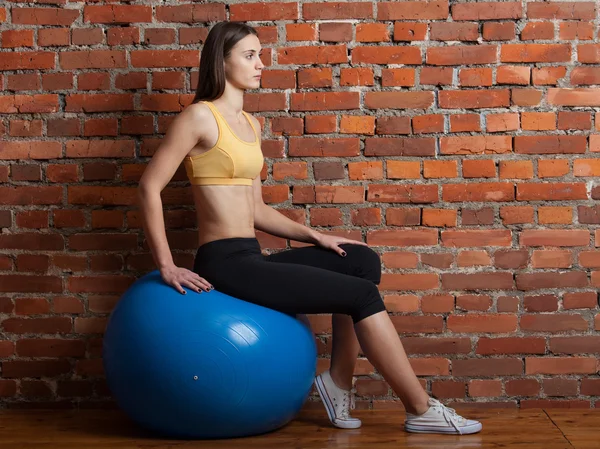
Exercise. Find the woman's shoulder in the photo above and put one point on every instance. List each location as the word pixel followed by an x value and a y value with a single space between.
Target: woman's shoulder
pixel 198 110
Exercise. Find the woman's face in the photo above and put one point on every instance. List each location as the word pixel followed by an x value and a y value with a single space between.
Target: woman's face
pixel 243 66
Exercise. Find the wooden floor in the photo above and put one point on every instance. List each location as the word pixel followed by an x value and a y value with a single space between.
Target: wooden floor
pixel 531 429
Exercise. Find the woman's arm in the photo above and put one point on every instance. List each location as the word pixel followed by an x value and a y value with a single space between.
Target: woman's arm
pixel 275 223
pixel 269 220
pixel 183 134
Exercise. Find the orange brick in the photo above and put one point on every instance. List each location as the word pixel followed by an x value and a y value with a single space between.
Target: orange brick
pixel 516 169
pixel 481 168
pixel 475 77
pixel 301 32
pixel 595 142
pixel 509 74
pixel 410 31
pixel 403 170
pixel 297 170
pixel 439 217
pixel 473 258
pixel 401 303
pixel 372 32
pixel 538 121
pixel 545 76
pixel 465 122
pixel 352 124
pixel 525 97
pixel 586 167
pixel 551 259
pixel 320 124
pixel 400 259
pixel 555 215
pixel 366 216
pixel 440 169
pixel 502 122
pixel 365 170
pixel 431 123
pixel 516 214
pixel 398 77
pixel 357 76
pixel 552 168
pixel 570 31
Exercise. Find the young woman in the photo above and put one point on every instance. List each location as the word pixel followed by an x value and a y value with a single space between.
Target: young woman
pixel 219 145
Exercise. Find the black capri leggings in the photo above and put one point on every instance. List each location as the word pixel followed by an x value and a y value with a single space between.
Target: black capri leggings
pixel 311 279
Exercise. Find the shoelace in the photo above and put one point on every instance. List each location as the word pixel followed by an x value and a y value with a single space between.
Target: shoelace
pixel 348 399
pixel 450 416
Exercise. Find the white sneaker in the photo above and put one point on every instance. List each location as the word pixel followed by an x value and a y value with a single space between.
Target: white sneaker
pixel 440 419
pixel 338 402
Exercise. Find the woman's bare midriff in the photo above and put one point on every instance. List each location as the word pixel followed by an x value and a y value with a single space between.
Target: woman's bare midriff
pixel 223 212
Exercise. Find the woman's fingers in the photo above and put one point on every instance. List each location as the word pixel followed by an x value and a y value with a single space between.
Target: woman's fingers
pixel 197 284
pixel 188 279
pixel 204 282
pixel 178 287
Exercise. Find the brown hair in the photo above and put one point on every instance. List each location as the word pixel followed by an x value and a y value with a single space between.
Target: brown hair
pixel 211 74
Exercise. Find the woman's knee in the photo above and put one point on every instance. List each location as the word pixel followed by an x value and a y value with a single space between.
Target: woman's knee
pixel 369 302
pixel 367 262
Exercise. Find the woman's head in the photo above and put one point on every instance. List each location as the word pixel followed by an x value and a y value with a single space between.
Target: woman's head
pixel 231 54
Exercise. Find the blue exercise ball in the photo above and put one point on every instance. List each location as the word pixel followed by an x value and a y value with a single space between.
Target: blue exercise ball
pixel 205 365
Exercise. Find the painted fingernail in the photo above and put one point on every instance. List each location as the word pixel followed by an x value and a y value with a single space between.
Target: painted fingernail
pixel 344 254
pixel 183 292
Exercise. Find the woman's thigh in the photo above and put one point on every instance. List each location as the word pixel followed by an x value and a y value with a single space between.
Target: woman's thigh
pixel 291 288
pixel 360 261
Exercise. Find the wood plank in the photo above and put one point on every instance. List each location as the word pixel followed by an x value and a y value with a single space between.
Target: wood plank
pixel 580 427
pixel 78 429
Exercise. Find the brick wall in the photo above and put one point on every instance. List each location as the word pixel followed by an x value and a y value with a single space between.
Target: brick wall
pixel 459 139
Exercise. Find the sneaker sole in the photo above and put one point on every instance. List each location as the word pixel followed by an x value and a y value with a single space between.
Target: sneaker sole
pixel 466 430
pixel 329 407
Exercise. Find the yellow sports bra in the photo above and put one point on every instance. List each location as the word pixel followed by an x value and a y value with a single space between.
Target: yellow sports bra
pixel 232 161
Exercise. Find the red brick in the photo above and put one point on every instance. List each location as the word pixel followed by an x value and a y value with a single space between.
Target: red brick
pixel 522 387
pixel 533 281
pixel 558 237
pixel 487 367
pixel 511 345
pixel 475 145
pixel 413 281
pixel 400 259
pixel 335 10
pixel 413 10
pixel 487 11
pixel 476 238
pixel 485 388
pixel 548 75
pixel 477 281
pixel 475 323
pixel 403 193
pixel 437 303
pixel 480 303
pixel 551 192
pixel 553 323
pixel 551 259
pixel 560 365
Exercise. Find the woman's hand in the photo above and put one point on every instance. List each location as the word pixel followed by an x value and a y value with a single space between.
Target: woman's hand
pixel 179 277
pixel 332 242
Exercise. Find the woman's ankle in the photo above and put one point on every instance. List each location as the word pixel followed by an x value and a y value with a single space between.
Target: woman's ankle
pixel 418 407
pixel 340 382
